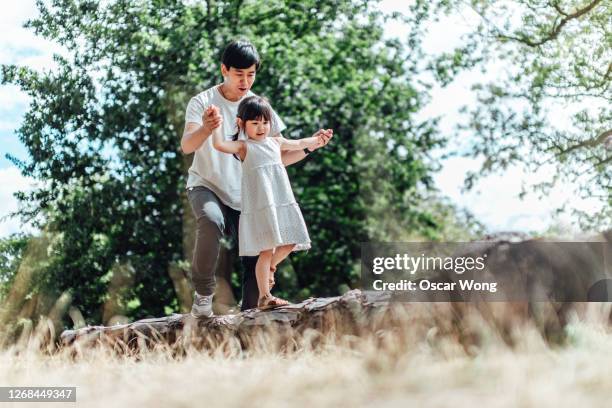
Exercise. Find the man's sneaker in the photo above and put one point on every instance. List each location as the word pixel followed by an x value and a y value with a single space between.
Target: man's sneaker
pixel 202 306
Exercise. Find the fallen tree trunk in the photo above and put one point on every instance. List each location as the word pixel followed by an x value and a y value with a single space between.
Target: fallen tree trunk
pixel 358 313
pixel 319 321
pixel 341 315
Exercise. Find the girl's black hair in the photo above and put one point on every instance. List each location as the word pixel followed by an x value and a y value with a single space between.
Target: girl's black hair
pixel 240 54
pixel 252 108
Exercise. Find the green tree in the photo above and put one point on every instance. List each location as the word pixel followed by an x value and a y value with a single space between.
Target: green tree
pixel 12 249
pixel 103 133
pixel 549 56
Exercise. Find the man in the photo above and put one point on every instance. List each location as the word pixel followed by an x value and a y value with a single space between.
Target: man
pixel 213 185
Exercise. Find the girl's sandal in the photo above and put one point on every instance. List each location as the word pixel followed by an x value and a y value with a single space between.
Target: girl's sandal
pixel 271 281
pixel 270 302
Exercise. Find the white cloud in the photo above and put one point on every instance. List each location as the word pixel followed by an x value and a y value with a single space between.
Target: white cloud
pixel 7 126
pixel 12 98
pixel 20 46
pixel 12 181
pixel 15 38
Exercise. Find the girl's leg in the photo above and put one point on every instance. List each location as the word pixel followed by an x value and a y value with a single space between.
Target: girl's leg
pixel 280 253
pixel 262 272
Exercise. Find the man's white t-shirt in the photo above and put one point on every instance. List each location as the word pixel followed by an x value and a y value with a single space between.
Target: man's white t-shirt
pixel 218 171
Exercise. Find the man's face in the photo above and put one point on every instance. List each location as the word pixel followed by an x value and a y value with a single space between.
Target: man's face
pixel 239 80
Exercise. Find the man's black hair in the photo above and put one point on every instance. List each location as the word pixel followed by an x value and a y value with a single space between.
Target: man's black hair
pixel 240 54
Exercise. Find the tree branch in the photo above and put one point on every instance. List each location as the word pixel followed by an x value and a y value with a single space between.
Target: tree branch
pixel 604 161
pixel 556 27
pixel 555 5
pixel 589 142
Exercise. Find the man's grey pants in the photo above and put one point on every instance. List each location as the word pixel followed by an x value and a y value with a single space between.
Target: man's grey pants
pixel 214 220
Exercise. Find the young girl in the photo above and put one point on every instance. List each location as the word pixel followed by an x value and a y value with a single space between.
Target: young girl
pixel 271 223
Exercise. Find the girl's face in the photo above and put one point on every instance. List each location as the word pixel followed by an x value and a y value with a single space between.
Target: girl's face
pixel 257 129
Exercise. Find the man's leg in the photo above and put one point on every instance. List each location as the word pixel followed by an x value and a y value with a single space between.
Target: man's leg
pixel 208 211
pixel 250 293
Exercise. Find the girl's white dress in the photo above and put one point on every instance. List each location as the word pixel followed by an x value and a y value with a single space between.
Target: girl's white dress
pixel 269 216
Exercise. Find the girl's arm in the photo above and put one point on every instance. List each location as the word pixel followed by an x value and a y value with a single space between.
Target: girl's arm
pixel 298 144
pixel 228 146
pixel 289 157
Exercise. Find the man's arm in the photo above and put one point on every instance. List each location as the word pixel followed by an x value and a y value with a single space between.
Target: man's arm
pixel 290 157
pixel 195 134
pixel 193 137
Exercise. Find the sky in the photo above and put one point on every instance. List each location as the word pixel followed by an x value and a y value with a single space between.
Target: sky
pixel 494 201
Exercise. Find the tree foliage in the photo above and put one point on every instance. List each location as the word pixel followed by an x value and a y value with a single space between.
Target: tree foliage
pixel 549 103
pixel 12 249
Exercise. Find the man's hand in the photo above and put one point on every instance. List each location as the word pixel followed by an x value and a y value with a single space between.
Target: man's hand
pixel 195 134
pixel 323 136
pixel 211 119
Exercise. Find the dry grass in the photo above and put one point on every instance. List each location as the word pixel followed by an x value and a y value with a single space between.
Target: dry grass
pixel 408 364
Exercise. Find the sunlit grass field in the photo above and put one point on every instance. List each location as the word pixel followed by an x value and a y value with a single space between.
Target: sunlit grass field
pixel 418 362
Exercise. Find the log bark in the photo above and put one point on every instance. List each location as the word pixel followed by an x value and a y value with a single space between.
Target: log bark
pixel 342 314
pixel 358 313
